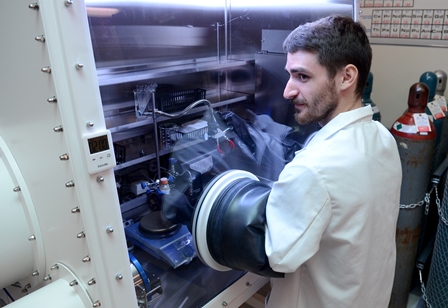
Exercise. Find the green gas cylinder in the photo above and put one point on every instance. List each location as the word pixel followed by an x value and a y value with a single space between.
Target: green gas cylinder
pixel 366 100
pixel 430 79
pixel 442 148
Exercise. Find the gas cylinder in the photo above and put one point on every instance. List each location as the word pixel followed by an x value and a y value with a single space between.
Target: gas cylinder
pixel 442 148
pixel 433 109
pixel 366 100
pixel 441 82
pixel 415 135
pixel 437 277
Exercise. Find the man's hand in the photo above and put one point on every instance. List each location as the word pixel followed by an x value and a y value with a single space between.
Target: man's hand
pixel 177 209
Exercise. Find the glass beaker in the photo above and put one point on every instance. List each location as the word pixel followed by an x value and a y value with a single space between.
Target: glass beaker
pixel 142 96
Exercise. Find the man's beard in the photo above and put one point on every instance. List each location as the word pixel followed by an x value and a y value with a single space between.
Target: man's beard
pixel 318 108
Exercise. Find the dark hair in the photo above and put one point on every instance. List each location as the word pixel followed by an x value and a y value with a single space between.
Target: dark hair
pixel 337 41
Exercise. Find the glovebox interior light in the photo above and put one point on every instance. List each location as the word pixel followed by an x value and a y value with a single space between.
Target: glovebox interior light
pixel 207 3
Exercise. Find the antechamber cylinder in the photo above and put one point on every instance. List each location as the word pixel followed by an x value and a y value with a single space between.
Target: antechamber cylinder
pixel 17 255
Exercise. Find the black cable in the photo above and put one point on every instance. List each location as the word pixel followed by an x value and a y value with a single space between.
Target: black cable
pixel 9 295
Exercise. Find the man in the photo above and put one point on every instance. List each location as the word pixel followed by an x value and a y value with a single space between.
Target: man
pixel 331 216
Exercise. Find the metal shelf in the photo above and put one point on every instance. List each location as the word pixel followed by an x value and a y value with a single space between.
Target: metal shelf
pixel 153 155
pixel 120 118
pixel 128 121
pixel 111 75
pixel 125 123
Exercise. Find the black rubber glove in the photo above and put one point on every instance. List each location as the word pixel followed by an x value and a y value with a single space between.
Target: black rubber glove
pixel 239 127
pixel 177 209
pixel 236 228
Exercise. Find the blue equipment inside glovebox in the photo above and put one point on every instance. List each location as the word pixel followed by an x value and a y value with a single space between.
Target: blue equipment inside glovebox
pixel 175 249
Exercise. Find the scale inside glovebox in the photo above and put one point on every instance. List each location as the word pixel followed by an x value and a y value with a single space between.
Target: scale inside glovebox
pixel 170 243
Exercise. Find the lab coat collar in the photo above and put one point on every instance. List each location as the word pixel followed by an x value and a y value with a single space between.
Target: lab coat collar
pixel 341 121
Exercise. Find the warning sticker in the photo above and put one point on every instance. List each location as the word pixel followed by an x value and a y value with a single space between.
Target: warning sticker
pixel 422 122
pixel 436 110
pixel 441 100
pixel 408 129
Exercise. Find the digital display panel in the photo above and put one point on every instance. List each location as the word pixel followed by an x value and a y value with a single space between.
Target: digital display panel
pixel 98 144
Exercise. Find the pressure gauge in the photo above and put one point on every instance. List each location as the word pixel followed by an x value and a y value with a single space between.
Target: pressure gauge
pixel 99 151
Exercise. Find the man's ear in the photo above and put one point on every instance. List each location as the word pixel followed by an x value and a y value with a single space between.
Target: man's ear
pixel 349 76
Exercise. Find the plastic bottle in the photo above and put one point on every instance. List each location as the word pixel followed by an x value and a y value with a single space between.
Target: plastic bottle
pixel 164 186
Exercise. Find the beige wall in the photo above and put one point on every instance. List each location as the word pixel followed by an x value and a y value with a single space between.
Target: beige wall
pixel 395 69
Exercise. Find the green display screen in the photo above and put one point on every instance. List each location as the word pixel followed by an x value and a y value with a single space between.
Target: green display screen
pixel 98 144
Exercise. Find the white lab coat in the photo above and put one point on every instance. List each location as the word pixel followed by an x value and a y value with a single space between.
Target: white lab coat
pixel 331 218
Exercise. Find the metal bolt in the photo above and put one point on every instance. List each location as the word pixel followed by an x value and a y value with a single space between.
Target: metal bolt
pixel 58 129
pixel 90 124
pixel 70 184
pixel 63 156
pixel 81 234
pixel 16 189
pixel 46 69
pixel 96 304
pixel 68 2
pixel 100 179
pixel 73 283
pixel 119 276
pixel 52 99
pixel 32 238
pixel 109 229
pixel 79 66
pixel 40 38
pixel 35 273
pixel 86 259
pixel 91 282
pixel 248 284
pixel 46 278
pixel 75 210
pixel 224 303
pixel 54 267
pixel 34 6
